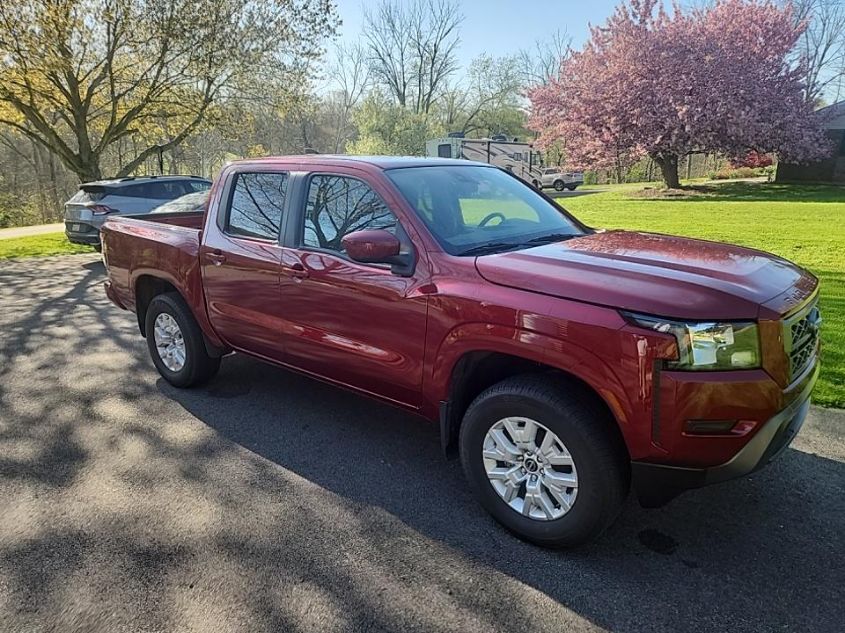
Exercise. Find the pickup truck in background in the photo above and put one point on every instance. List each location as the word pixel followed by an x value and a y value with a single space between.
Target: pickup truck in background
pixel 562 363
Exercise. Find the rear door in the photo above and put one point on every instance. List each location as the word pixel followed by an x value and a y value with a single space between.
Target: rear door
pixel 356 324
pixel 240 258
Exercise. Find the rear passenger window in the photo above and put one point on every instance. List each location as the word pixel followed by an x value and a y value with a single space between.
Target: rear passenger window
pixel 166 190
pixel 133 191
pixel 256 207
pixel 169 190
pixel 337 206
pixel 193 186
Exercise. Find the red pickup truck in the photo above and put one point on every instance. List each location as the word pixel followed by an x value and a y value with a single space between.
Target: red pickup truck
pixel 563 363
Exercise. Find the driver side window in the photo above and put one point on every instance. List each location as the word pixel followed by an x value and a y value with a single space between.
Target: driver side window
pixel 339 205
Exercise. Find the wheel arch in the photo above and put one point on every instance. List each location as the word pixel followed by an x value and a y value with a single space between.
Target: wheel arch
pixel 146 288
pixel 474 370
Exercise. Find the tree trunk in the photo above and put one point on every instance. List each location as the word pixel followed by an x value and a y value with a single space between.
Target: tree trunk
pixel 89 171
pixel 38 168
pixel 668 164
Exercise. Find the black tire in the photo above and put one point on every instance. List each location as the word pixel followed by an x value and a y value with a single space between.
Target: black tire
pixel 571 187
pixel 199 366
pixel 586 430
pixel 538 185
pixel 559 185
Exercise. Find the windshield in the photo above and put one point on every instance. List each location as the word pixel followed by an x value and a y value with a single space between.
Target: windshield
pixel 475 210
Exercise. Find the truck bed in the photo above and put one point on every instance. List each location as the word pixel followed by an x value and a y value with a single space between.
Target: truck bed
pixel 164 246
pixel 186 220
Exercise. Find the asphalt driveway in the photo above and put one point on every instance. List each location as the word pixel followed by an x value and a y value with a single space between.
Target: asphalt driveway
pixel 269 502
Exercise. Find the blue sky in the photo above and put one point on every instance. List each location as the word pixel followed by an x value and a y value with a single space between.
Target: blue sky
pixel 503 27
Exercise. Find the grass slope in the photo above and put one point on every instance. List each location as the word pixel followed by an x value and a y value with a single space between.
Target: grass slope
pixel 803 223
pixel 39 246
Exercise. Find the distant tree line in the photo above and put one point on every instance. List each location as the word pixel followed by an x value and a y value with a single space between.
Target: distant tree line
pixel 104 88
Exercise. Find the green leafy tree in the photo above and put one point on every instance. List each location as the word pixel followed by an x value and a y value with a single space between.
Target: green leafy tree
pixel 80 76
pixel 386 128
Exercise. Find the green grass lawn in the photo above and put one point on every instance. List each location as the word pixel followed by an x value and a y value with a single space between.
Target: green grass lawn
pixel 803 223
pixel 39 246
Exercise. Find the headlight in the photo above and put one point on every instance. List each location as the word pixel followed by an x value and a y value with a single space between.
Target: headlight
pixel 703 346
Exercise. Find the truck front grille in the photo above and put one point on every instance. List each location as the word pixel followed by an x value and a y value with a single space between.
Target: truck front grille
pixel 801 338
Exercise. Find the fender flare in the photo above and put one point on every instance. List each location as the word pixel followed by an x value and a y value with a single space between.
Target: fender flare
pixel 213 343
pixel 563 355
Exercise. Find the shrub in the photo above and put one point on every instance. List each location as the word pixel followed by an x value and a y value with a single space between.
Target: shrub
pixel 741 172
pixel 752 159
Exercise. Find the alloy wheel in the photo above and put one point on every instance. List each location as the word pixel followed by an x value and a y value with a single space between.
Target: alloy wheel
pixel 169 341
pixel 530 468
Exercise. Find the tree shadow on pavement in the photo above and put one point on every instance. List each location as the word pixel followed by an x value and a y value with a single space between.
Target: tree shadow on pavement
pixel 744 554
pixel 266 501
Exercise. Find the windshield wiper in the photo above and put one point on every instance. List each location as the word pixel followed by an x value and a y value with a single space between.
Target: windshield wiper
pixel 494 247
pixel 489 248
pixel 548 239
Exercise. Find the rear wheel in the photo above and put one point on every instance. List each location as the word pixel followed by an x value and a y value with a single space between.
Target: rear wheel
pixel 559 185
pixel 176 343
pixel 544 460
pixel 571 187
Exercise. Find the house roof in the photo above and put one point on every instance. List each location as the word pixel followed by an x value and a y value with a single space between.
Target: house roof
pixel 834 115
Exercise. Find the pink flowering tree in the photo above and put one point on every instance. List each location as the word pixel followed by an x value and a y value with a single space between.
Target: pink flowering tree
pixel 667 84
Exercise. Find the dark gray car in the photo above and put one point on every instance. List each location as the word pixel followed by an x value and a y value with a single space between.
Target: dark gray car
pixel 86 211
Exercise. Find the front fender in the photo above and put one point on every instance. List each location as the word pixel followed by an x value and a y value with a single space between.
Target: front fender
pixel 564 355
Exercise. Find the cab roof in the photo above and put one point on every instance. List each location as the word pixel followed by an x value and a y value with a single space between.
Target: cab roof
pixel 378 162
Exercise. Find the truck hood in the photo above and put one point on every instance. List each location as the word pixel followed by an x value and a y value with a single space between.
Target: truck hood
pixel 662 275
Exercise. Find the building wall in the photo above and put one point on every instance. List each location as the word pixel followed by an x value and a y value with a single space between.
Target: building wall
pixel 830 170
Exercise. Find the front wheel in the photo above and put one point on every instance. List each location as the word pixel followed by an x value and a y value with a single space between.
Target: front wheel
pixel 559 185
pixel 176 343
pixel 544 460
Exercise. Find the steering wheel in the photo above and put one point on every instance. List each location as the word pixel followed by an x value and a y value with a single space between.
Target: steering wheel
pixel 492 216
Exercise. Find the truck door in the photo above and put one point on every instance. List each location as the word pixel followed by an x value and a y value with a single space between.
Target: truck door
pixel 240 257
pixel 357 324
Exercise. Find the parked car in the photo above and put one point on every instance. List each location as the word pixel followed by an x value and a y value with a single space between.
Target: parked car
pixel 563 363
pixel 86 211
pixel 560 180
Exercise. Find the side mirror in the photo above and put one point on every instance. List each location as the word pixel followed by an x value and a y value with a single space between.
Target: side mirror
pixel 378 247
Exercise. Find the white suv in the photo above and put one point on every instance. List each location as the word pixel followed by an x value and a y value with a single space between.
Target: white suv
pixel 86 211
pixel 560 180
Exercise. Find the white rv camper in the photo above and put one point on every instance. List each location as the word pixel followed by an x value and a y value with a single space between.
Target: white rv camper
pixel 519 158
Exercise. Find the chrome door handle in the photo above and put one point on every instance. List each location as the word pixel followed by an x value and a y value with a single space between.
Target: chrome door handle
pixel 296 270
pixel 216 257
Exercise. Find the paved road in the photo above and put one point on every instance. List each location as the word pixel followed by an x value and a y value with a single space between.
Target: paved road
pixel 269 502
pixel 571 194
pixel 26 231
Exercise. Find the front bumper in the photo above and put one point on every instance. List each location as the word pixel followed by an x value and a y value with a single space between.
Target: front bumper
pixel 78 232
pixel 656 484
